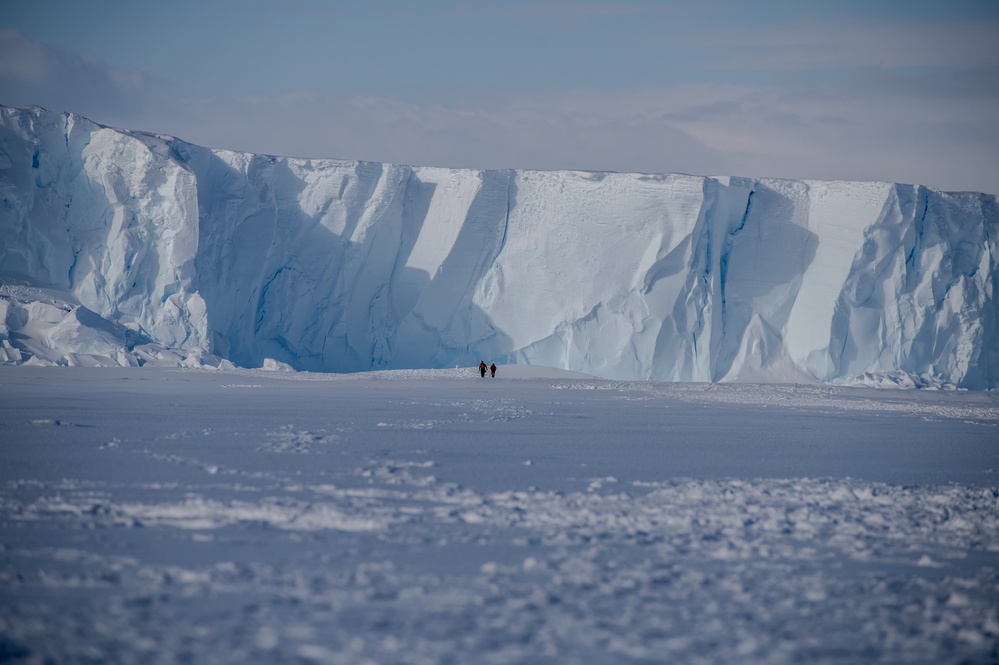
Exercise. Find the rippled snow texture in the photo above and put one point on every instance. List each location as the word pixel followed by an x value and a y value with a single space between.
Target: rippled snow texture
pixel 232 517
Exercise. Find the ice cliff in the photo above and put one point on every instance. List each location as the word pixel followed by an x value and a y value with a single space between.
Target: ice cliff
pixel 125 245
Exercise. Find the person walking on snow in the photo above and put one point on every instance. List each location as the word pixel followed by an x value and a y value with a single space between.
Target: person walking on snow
pixel 492 370
pixel 482 368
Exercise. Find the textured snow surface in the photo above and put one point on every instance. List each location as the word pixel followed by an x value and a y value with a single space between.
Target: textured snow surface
pixel 349 266
pixel 161 516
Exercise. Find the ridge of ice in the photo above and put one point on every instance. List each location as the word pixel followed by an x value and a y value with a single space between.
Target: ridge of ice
pixel 332 265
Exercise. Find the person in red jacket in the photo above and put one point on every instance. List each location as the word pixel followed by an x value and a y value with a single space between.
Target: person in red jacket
pixel 482 368
pixel 492 370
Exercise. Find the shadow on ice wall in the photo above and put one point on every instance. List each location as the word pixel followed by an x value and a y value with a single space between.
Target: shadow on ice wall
pixel 344 266
pixel 307 262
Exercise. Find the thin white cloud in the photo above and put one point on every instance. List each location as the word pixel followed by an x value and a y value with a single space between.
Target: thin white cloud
pixel 939 130
pixel 875 126
pixel 32 72
pixel 571 9
pixel 574 132
pixel 881 42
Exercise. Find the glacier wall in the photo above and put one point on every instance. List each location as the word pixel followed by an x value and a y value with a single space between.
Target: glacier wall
pixel 345 266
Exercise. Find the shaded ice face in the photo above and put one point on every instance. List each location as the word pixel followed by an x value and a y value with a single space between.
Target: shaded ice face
pixel 333 265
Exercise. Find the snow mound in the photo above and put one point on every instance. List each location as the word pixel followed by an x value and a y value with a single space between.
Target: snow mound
pixel 342 266
pixel 895 381
pixel 39 327
pixel 272 365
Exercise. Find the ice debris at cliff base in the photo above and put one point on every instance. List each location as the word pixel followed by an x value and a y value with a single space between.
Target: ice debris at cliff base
pixel 895 381
pixel 46 327
pixel 333 265
pixel 39 327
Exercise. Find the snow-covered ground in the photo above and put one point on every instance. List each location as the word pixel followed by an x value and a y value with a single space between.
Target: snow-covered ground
pixel 156 515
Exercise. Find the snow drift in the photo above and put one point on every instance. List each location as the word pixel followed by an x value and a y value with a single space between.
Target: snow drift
pixel 159 245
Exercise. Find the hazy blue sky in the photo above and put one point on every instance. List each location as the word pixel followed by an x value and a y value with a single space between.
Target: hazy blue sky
pixel 904 91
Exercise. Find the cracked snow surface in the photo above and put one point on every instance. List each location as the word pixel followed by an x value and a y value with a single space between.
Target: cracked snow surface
pixel 161 516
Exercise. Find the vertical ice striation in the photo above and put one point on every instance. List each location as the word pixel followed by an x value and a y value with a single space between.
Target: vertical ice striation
pixel 108 216
pixel 335 265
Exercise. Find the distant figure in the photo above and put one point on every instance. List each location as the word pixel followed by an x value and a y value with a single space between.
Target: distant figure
pixel 482 368
pixel 492 370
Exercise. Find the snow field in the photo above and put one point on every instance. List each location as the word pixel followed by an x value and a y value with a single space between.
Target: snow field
pixel 423 517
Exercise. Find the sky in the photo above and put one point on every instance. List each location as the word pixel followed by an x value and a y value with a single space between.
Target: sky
pixel 902 91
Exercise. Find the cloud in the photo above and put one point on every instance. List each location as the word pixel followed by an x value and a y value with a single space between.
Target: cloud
pixel 570 9
pixel 875 125
pixel 930 127
pixel 882 42
pixel 578 131
pixel 32 72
